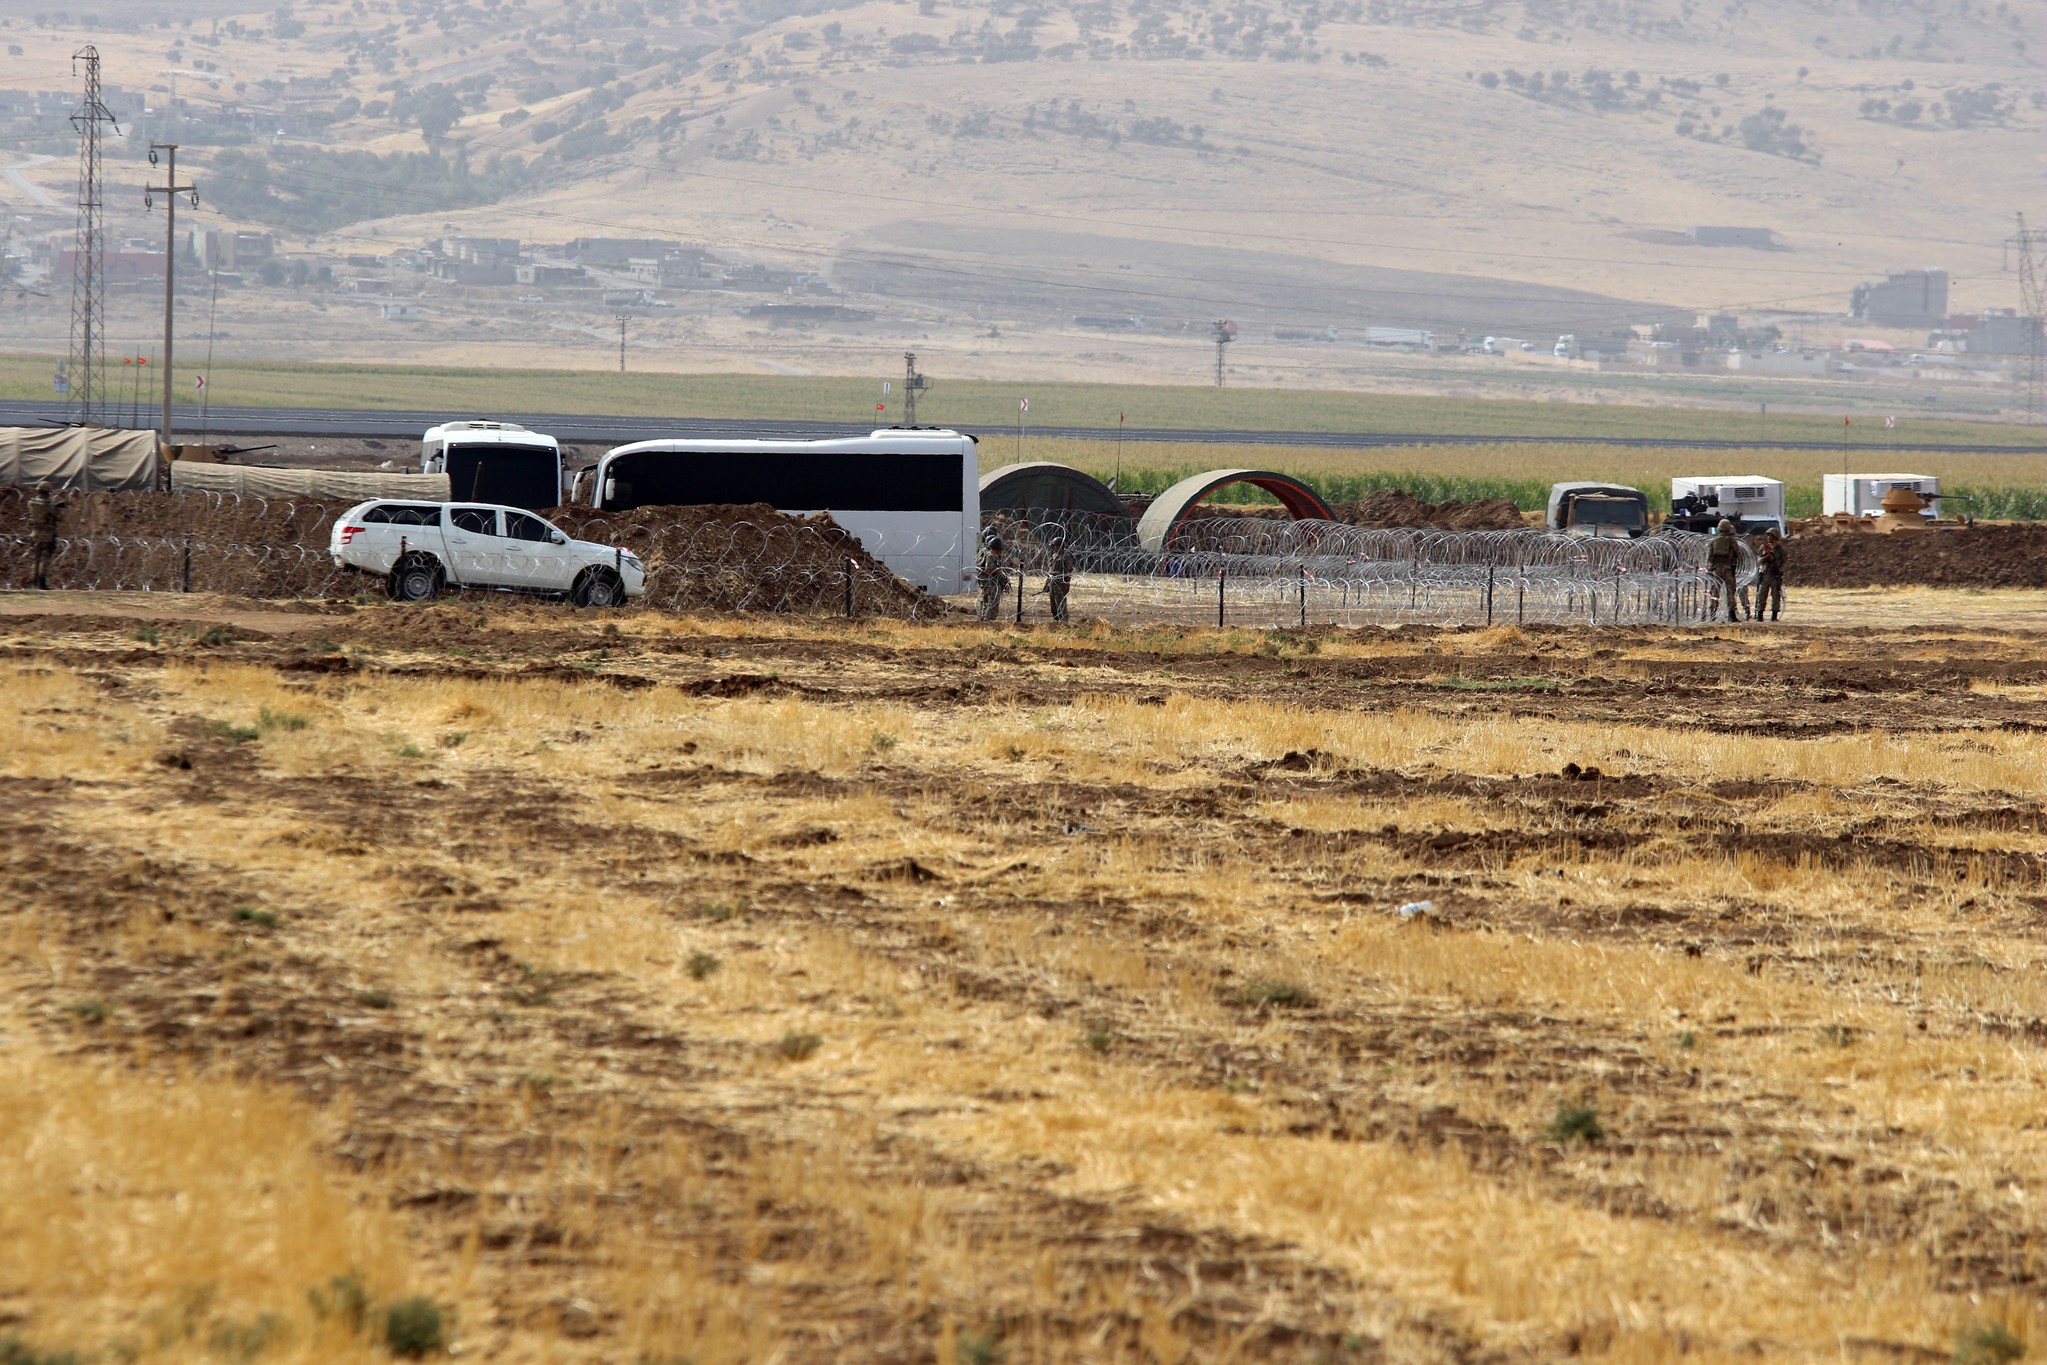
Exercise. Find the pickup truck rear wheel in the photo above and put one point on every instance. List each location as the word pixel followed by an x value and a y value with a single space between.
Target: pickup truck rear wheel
pixel 598 588
pixel 416 577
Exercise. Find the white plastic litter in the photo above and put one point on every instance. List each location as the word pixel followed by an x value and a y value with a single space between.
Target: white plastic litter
pixel 1413 908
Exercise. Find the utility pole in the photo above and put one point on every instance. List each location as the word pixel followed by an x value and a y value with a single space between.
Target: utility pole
pixel 1225 333
pixel 2030 246
pixel 621 319
pixel 88 258
pixel 170 189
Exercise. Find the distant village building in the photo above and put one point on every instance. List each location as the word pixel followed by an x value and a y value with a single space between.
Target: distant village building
pixel 1759 238
pixel 616 252
pixel 122 267
pixel 1903 298
pixel 1994 331
pixel 551 276
pixel 227 249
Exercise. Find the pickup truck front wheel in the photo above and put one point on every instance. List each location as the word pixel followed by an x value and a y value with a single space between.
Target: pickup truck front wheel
pixel 598 588
pixel 415 577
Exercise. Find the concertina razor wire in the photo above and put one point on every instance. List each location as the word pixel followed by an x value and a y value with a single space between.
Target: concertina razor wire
pixel 1247 571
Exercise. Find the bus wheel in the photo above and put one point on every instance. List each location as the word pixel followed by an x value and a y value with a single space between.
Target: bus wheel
pixel 414 578
pixel 598 588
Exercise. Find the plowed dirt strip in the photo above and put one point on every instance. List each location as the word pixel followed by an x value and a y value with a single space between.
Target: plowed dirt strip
pixel 714 991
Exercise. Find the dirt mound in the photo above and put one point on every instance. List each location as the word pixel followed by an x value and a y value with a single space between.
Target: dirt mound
pixel 1391 509
pixel 748 558
pixel 2001 556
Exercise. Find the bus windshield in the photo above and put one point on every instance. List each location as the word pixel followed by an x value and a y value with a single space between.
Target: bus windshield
pixel 512 475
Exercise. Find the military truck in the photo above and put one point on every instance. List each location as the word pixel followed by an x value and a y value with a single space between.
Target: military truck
pixel 1612 510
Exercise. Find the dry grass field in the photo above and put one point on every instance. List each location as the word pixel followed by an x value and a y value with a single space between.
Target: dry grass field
pixel 648 989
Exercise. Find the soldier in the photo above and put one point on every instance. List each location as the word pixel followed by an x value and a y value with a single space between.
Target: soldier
pixel 43 511
pixel 1770 574
pixel 1722 555
pixel 991 575
pixel 1059 577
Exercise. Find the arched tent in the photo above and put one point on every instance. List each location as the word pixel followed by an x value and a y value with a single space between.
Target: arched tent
pixel 1044 494
pixel 1042 486
pixel 1162 520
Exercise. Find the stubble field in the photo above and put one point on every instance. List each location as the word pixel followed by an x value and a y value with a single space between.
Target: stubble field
pixel 650 988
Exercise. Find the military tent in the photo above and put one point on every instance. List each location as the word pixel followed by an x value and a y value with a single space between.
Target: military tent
pixel 266 481
pixel 86 459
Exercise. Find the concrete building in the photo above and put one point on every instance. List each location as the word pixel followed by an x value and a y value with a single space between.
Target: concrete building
pixel 1903 298
pixel 227 249
pixel 1994 331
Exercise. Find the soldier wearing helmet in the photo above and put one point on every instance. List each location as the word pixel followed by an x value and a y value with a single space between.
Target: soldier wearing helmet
pixel 1059 576
pixel 1770 574
pixel 43 512
pixel 1723 553
pixel 989 572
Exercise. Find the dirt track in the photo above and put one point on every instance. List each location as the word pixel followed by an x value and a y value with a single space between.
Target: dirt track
pixel 1014 947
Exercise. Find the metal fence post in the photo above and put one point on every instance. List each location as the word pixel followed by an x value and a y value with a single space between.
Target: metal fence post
pixel 1521 600
pixel 1019 594
pixel 1304 597
pixel 1219 573
pixel 851 566
pixel 186 581
pixel 1488 594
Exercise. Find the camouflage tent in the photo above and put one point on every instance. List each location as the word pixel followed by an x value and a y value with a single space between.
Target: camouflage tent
pixel 264 481
pixel 86 459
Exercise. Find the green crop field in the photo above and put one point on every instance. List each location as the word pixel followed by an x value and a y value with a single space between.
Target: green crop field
pixel 1988 484
pixel 989 409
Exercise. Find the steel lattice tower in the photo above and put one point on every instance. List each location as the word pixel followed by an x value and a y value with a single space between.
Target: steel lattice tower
pixel 2032 377
pixel 88 263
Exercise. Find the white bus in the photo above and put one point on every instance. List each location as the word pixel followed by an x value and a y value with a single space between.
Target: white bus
pixel 911 496
pixel 500 462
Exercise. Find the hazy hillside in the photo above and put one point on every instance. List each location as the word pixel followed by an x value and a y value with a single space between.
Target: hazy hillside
pixel 981 161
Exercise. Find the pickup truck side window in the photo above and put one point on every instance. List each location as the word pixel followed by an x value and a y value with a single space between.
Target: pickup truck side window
pixel 404 514
pixel 519 526
pixel 482 521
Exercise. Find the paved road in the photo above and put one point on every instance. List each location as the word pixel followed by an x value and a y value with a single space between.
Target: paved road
pixel 29 187
pixel 243 423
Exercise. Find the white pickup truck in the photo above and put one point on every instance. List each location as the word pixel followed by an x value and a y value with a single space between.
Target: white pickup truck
pixel 422 547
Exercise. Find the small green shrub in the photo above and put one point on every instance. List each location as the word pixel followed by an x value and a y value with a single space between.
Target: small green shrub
pixel 881 742
pixel 1987 1343
pixel 91 1011
pixel 249 914
pixel 979 1348
pixel 1271 994
pixel 214 638
pixel 1096 1040
pixel 718 914
pixel 1575 1123
pixel 701 965
pixel 268 720
pixel 374 1000
pixel 146 634
pixel 14 1351
pixel 415 1327
pixel 1837 1035
pixel 795 1047
pixel 537 985
pixel 346 1299
pixel 231 732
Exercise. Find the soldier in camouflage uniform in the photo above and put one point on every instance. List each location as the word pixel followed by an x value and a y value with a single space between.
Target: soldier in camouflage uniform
pixel 988 571
pixel 43 511
pixel 1723 554
pixel 1059 577
pixel 1770 575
